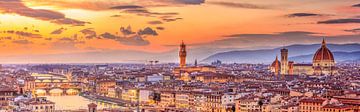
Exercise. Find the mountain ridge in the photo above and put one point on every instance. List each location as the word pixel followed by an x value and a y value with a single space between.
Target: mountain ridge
pixel 296 52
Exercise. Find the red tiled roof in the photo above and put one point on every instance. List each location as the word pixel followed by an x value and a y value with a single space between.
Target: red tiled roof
pixel 312 100
pixel 323 54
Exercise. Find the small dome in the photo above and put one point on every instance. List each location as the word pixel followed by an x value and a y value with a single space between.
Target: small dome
pixel 323 54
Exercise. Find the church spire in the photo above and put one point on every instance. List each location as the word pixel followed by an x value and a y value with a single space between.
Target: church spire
pixel 323 43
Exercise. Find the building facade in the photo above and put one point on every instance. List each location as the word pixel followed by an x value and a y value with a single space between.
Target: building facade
pixel 323 63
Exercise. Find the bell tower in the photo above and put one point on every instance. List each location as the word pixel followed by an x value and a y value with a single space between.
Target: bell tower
pixel 182 55
pixel 284 61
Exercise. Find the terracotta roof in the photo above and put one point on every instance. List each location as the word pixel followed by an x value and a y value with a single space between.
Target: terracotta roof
pixel 92 105
pixel 337 106
pixel 6 89
pixel 323 54
pixel 312 100
pixel 276 63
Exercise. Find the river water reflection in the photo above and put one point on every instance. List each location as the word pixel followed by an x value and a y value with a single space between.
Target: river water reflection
pixel 76 102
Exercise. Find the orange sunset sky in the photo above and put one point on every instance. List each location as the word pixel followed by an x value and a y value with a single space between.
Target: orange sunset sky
pixel 39 28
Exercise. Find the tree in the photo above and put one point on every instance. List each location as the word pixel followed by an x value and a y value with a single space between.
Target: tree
pixel 233 108
pixel 260 103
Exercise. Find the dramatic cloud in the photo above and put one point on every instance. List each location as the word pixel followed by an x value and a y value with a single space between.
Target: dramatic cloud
pixel 70 22
pixel 160 28
pixel 17 7
pixel 27 34
pixel 108 36
pixel 130 37
pixel 23 34
pixel 66 43
pixel 58 31
pixel 261 41
pixel 147 31
pixel 356 5
pixel 105 4
pixel 192 2
pixel 67 39
pixel 239 5
pixel 135 40
pixel 89 33
pixel 339 21
pixel 127 7
pixel 171 19
pixel 25 42
pixel 141 11
pixel 48 39
pixel 116 16
pixel 356 30
pixel 303 15
pixel 6 38
pixel 126 31
pixel 155 22
pixel 145 12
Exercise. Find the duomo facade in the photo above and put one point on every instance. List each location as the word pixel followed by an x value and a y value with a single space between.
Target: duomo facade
pixel 323 63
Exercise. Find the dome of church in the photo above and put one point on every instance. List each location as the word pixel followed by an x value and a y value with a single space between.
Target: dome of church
pixel 276 62
pixel 323 54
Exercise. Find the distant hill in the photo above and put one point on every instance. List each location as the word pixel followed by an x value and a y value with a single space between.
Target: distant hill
pixel 339 57
pixel 297 53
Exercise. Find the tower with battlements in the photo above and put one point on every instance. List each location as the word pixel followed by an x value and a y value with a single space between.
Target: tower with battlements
pixel 182 55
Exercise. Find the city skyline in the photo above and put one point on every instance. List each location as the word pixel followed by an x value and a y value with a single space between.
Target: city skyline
pixel 35 31
pixel 179 56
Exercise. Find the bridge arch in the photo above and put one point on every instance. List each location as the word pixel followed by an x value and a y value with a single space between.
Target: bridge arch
pixel 56 81
pixel 72 92
pixel 40 92
pixel 46 80
pixel 56 92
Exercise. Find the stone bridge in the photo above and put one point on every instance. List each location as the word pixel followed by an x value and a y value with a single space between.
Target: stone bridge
pixel 55 84
pixel 58 88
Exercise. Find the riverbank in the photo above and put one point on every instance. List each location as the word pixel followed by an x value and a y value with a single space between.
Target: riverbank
pixel 110 100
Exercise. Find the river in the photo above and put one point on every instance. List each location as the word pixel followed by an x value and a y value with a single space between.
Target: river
pixel 76 102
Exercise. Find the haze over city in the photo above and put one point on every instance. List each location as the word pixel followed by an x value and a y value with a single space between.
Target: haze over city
pixel 133 31
pixel 179 56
